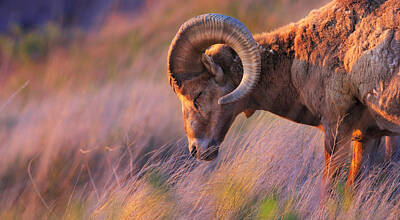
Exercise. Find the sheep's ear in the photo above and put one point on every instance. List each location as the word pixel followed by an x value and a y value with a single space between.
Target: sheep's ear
pixel 248 112
pixel 213 68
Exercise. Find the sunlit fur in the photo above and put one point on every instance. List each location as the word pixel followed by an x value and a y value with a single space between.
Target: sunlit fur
pixel 207 125
pixel 337 70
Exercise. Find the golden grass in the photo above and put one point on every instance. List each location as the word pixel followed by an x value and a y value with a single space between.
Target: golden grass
pixel 97 132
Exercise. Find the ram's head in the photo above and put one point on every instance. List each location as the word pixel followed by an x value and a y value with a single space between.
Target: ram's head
pixel 213 65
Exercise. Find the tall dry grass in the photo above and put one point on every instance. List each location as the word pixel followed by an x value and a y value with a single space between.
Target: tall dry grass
pixel 91 129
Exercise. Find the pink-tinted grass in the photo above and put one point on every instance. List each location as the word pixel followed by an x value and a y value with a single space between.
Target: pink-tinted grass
pixel 93 130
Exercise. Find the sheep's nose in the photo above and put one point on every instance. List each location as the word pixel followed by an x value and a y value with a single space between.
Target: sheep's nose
pixel 193 151
pixel 201 149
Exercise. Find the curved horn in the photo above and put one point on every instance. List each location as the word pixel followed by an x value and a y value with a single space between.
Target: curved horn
pixel 200 32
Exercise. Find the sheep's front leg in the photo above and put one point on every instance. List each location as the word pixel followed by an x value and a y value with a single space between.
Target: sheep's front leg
pixel 365 154
pixel 337 141
pixel 355 166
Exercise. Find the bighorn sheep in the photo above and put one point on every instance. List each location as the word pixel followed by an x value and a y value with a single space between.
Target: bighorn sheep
pixel 337 69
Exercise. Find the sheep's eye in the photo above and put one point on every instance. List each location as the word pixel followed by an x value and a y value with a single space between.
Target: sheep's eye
pixel 195 103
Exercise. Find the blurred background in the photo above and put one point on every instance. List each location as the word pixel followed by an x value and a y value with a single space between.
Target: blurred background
pixel 89 127
pixel 67 14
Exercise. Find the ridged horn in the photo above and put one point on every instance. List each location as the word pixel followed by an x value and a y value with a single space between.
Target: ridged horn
pixel 198 33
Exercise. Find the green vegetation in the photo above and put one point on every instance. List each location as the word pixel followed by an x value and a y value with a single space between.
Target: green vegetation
pixel 269 208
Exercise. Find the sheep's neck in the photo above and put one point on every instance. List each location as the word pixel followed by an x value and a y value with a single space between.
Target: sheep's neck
pixel 275 92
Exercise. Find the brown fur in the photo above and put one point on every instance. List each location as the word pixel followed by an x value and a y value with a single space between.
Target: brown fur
pixel 338 56
pixel 337 69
